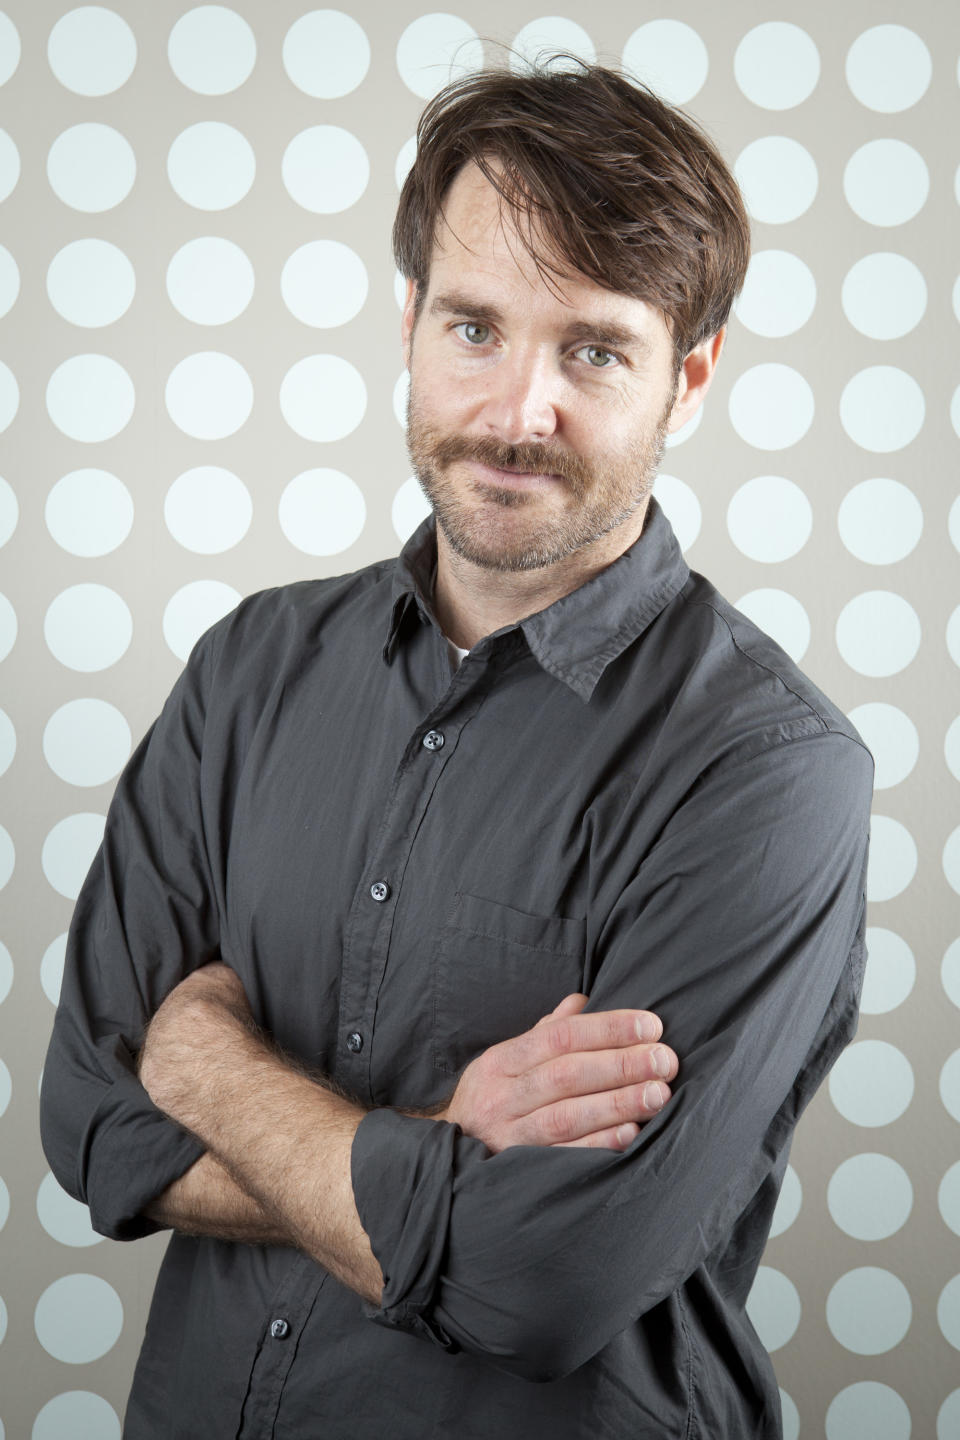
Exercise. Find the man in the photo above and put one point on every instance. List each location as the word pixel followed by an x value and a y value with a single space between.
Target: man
pixel 392 830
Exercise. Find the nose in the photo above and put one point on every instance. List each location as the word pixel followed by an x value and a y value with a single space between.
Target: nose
pixel 522 401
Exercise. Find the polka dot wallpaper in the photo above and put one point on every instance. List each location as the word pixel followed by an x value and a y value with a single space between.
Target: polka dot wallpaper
pixel 201 393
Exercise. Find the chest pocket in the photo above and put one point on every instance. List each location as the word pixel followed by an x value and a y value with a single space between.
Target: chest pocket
pixel 498 970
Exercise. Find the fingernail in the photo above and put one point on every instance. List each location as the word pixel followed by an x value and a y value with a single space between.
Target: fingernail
pixel 648 1027
pixel 653 1096
pixel 660 1060
pixel 626 1134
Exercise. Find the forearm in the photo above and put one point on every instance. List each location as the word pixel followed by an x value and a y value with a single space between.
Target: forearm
pixel 206 1200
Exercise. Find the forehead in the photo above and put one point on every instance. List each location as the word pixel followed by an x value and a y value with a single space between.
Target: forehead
pixel 478 246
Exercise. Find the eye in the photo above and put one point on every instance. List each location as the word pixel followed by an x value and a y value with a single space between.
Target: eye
pixel 599 357
pixel 473 332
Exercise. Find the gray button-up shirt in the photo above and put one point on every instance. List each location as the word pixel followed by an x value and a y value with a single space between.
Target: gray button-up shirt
pixel 634 793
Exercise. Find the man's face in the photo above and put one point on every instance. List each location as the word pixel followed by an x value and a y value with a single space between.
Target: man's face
pixel 537 415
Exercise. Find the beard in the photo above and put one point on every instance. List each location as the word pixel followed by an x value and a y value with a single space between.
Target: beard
pixel 513 530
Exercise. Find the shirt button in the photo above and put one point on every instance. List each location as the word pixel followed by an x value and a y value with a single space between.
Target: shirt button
pixel 433 740
pixel 279 1329
pixel 355 1041
pixel 380 891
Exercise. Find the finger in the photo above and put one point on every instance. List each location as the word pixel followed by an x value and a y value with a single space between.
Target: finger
pixel 569 1005
pixel 617 1137
pixel 564 1034
pixel 570 1120
pixel 589 1072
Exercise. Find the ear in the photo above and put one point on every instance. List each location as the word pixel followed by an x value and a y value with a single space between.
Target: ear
pixel 408 320
pixel 695 376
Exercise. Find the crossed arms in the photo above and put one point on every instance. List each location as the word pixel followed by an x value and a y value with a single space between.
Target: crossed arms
pixel 277 1165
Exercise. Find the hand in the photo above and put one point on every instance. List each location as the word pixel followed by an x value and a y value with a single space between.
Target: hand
pixel 586 1080
pixel 206 1008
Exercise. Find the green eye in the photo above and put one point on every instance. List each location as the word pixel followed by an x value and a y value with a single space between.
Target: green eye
pixel 599 358
pixel 475 334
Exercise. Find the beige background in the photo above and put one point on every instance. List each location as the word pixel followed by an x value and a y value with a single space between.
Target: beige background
pixel 893 1318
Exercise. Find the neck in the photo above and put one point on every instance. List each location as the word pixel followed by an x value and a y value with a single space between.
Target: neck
pixel 472 601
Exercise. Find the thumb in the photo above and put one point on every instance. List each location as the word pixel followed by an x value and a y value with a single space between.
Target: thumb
pixel 569 1005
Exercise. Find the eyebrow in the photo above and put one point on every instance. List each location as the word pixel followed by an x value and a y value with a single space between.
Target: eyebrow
pixel 602 332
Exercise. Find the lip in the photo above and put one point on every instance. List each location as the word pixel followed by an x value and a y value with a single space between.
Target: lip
pixel 512 479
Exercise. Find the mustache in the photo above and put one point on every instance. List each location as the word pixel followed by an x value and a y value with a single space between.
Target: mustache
pixel 537 459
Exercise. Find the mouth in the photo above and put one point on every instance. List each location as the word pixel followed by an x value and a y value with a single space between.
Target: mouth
pixel 512 479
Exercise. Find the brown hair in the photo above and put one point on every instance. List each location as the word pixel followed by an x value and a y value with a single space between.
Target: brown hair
pixel 611 181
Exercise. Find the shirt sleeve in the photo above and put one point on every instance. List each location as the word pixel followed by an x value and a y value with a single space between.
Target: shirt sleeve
pixel 743 930
pixel 146 916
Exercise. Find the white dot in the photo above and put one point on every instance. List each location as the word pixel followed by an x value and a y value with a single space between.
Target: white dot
pixel 4 1204
pixel 880 521
pixel 401 398
pixel 91 283
pixel 948 1312
pixel 882 408
pixel 90 398
pixel 6 972
pixel 550 35
pixel 208 510
pixel 9 511
pixel 871 1084
pixel 91 167
pixel 88 627
pixel 78 1318
pixel 888 68
pixel 8 857
pixel 868 1408
pixel 778 295
pixel 948 1198
pixel 435 50
pixel 210 280
pixel 778 177
pixel 869 1310
pixel 404 161
pixel 886 182
pixel 870 1197
pixel 681 507
pixel 679 436
pixel 884 295
pixel 769 519
pixel 891 972
pixel 951 748
pixel 791 1417
pixel 953 636
pixel 948 1417
pixel 8 742
pixel 192 610
pixel 64 1218
pixel 893 739
pixel 51 968
pixel 79 1414
pixel 8 627
pixel 212 50
pixel 951 860
pixel 953 520
pixel 777 65
pixel 325 169
pixel 9 281
pixel 209 395
pixel 68 852
pixel 9 396
pixel 771 406
pixel 670 57
pixel 211 166
pixel 950 971
pixel 323 397
pixel 322 512
pixel 324 283
pixel 6 1088
pixel 326 54
pixel 773 1307
pixel 89 512
pixel 86 742
pixel 9 48
pixel 9 165
pixel 409 509
pixel 788 1202
pixel 781 616
pixel 878 633
pixel 92 51
pixel 893 858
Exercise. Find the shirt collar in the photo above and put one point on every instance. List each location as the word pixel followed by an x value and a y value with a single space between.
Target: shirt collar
pixel 577 637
